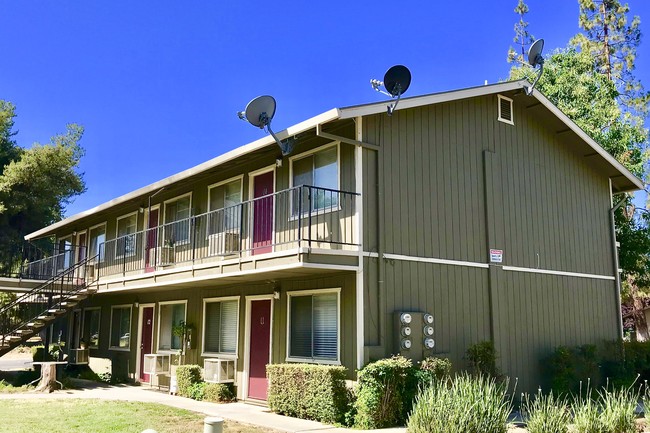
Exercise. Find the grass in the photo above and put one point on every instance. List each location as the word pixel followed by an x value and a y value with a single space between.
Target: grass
pixel 101 416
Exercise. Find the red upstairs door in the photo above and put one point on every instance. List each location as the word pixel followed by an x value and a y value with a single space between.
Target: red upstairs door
pixel 150 250
pixel 260 345
pixel 263 213
pixel 146 335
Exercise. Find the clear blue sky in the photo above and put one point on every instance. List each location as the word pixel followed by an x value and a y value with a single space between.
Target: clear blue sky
pixel 157 84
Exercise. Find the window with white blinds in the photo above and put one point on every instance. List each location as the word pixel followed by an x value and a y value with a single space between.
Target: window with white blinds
pixel 314 327
pixel 220 332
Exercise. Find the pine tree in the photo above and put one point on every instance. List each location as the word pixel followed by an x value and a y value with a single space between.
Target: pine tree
pixel 522 37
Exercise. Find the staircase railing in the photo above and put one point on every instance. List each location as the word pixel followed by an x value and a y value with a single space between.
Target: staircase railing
pixel 50 295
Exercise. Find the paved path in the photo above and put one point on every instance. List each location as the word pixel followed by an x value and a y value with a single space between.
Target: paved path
pixel 240 412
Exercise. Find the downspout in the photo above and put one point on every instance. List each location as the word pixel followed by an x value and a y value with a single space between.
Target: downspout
pixel 617 275
pixel 380 223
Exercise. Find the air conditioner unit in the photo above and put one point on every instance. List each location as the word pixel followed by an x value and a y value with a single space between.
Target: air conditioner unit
pixel 222 244
pixel 78 356
pixel 217 370
pixel 155 363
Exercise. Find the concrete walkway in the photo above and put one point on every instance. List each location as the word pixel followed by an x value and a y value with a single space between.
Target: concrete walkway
pixel 240 412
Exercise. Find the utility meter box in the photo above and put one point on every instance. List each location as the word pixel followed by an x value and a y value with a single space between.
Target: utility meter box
pixel 414 334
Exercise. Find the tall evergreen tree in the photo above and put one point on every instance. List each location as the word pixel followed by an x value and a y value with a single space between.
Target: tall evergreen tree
pixel 522 38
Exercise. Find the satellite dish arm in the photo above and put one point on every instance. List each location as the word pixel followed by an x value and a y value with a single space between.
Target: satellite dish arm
pixel 286 146
pixel 392 107
pixel 529 90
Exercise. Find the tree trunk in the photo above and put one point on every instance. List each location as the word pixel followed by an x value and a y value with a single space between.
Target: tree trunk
pixel 640 322
pixel 48 378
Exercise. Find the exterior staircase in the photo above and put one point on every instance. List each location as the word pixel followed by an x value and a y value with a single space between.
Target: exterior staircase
pixel 30 313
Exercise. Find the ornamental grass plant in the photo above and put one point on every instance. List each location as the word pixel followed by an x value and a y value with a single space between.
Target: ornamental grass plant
pixel 546 414
pixel 464 404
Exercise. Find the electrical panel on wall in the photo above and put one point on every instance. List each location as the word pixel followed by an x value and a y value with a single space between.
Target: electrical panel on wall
pixel 414 335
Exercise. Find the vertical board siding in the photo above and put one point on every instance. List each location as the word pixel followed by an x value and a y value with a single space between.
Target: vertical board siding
pixel 451 174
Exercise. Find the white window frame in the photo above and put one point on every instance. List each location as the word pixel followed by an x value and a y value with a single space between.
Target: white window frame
pixel 135 240
pixel 239 178
pixel 160 305
pixel 224 355
pixel 110 332
pixel 102 257
pixel 165 224
pixel 298 293
pixel 512 107
pixel 99 331
pixel 294 158
pixel 67 262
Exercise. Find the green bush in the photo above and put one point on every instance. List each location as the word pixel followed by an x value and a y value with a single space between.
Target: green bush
pixel 186 376
pixel 385 393
pixel 465 404
pixel 308 391
pixel 433 369
pixel 482 358
pixel 219 392
pixel 546 414
pixel 571 368
pixel 196 391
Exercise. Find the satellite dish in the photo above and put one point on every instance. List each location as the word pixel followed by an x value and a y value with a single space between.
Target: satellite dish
pixel 535 59
pixel 259 113
pixel 396 81
pixel 535 53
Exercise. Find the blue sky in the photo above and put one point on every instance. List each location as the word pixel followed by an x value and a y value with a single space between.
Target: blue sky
pixel 157 84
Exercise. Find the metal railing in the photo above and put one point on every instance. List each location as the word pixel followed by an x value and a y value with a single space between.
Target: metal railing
pixel 52 294
pixel 61 259
pixel 301 216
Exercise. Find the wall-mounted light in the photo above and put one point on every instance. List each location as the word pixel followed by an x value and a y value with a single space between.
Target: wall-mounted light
pixel 276 295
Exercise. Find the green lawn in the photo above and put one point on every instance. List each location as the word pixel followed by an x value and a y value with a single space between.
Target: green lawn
pixel 101 416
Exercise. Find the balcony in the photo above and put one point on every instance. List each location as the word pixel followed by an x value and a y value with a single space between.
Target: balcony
pixel 302 219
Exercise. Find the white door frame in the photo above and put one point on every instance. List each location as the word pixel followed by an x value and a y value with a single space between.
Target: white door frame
pixel 139 348
pixel 247 339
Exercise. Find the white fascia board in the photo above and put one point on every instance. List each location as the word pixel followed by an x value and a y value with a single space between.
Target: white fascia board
pixel 435 98
pixel 298 128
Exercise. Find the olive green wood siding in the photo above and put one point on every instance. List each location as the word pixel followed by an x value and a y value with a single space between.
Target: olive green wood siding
pixel 451 182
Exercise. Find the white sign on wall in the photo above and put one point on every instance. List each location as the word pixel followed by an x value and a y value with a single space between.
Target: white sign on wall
pixel 496 256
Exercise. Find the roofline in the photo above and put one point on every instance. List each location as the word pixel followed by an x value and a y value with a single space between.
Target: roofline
pixel 348 113
pixel 263 142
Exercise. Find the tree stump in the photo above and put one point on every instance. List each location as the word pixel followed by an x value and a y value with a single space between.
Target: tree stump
pixel 48 381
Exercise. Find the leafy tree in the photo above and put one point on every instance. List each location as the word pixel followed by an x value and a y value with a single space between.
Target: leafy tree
pixel 592 82
pixel 36 183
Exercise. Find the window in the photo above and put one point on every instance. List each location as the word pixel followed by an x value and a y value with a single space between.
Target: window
pixel 319 170
pixel 225 207
pixel 91 322
pixel 64 253
pixel 314 326
pixel 121 327
pixel 177 220
pixel 125 237
pixel 221 319
pixel 170 316
pixel 97 241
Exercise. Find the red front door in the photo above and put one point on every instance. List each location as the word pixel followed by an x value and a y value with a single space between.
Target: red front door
pixel 263 213
pixel 150 251
pixel 146 335
pixel 260 346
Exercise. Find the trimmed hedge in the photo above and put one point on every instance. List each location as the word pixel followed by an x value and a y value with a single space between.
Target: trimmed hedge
pixel 308 391
pixel 186 376
pixel 385 393
pixel 219 392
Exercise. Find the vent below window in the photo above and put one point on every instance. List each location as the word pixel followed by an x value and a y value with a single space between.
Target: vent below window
pixel 505 110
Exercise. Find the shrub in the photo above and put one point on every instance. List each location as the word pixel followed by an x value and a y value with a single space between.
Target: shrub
pixel 465 404
pixel 196 391
pixel 308 391
pixel 186 376
pixel 568 368
pixel 385 393
pixel 433 369
pixel 219 392
pixel 547 414
pixel 483 359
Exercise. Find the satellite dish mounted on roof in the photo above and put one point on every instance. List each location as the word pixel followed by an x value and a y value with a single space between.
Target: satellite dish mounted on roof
pixel 259 112
pixel 535 59
pixel 396 81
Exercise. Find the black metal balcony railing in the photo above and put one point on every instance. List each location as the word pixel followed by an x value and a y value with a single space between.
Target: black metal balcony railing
pixel 60 259
pixel 303 216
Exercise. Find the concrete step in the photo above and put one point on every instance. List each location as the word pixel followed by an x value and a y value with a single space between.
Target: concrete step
pixel 56 311
pixel 24 331
pixel 35 324
pixel 45 318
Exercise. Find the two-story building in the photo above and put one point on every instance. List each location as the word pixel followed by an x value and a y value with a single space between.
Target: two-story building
pixel 483 212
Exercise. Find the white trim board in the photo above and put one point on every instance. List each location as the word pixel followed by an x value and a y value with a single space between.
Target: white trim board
pixel 559 273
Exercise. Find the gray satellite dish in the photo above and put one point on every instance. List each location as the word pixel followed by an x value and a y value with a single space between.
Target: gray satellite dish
pixel 535 59
pixel 259 112
pixel 396 81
